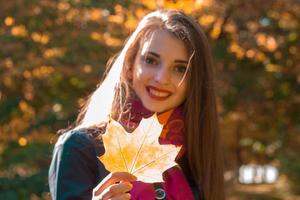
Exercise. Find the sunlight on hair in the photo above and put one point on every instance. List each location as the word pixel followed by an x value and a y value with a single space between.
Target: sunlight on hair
pixel 188 68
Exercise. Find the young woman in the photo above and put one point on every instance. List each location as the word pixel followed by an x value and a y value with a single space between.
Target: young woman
pixel 166 68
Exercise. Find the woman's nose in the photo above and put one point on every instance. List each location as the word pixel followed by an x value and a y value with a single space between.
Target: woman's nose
pixel 162 75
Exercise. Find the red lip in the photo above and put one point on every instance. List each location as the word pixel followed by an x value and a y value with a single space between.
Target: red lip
pixel 160 90
pixel 158 98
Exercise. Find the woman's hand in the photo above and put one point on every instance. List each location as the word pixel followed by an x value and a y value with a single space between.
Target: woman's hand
pixel 114 187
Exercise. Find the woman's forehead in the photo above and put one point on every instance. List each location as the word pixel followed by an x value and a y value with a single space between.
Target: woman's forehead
pixel 161 42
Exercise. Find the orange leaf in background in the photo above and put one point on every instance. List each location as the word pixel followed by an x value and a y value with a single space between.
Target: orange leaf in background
pixel 139 152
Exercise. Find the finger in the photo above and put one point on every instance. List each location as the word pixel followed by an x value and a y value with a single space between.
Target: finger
pixel 116 190
pixel 125 196
pixel 113 178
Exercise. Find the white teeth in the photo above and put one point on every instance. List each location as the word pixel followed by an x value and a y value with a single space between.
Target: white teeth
pixel 157 93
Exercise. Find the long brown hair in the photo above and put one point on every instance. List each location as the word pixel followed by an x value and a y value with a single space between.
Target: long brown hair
pixel 201 118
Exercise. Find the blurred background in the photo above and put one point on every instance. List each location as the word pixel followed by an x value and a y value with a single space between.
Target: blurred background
pixel 53 53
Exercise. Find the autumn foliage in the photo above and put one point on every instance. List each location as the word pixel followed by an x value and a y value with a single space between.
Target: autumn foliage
pixel 53 53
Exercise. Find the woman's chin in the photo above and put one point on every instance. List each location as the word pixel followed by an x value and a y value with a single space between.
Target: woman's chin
pixel 156 109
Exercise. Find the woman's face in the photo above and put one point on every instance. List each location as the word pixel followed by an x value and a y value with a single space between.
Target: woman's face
pixel 159 72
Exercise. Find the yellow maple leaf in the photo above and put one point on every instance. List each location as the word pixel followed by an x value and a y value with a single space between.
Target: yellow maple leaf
pixel 139 152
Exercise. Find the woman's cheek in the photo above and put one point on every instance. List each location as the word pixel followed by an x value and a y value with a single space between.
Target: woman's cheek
pixel 145 72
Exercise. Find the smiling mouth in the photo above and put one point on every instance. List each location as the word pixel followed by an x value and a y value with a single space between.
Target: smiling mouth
pixel 157 94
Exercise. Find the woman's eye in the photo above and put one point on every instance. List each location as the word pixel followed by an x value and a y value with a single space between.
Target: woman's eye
pixel 150 61
pixel 180 69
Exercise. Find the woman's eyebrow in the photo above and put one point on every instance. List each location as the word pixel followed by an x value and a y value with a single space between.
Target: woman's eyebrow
pixel 153 54
pixel 181 61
